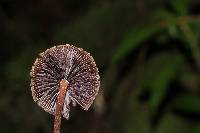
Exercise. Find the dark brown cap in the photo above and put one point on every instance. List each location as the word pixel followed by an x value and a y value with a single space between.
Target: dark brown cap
pixel 64 62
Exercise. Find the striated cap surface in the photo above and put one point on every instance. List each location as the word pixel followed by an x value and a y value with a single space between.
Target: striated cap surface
pixel 64 62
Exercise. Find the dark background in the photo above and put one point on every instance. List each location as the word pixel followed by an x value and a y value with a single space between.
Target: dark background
pixel 147 52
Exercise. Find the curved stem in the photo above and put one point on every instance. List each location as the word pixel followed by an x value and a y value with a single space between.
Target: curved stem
pixel 59 105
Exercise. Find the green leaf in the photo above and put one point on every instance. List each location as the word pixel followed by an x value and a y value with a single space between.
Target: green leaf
pixel 171 123
pixel 162 14
pixel 187 103
pixel 196 129
pixel 134 39
pixel 192 40
pixel 159 73
pixel 180 6
pixel 168 19
pixel 173 31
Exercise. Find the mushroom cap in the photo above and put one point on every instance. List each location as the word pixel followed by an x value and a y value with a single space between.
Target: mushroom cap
pixel 64 62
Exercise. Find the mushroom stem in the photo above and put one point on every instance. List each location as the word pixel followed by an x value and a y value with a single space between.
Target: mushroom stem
pixel 59 105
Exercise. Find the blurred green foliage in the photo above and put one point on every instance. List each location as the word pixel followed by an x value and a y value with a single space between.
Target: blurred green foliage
pixel 147 52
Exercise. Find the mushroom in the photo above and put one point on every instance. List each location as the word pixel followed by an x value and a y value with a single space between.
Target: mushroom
pixel 62 75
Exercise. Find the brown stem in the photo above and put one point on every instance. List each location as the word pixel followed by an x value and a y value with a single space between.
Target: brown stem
pixel 59 105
